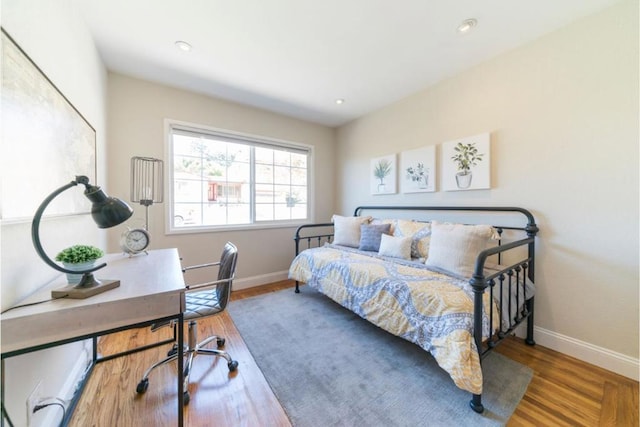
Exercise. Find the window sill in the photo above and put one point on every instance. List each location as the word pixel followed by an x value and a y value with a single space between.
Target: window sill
pixel 239 227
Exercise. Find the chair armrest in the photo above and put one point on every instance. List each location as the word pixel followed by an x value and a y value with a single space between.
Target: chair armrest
pixel 205 285
pixel 193 267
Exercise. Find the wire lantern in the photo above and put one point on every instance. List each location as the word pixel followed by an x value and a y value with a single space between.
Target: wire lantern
pixel 147 182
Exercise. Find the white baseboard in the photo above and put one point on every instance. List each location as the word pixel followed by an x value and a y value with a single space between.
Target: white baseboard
pixel 263 279
pixel 599 356
pixel 76 375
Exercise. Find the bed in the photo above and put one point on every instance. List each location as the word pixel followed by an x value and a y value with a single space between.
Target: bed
pixel 454 288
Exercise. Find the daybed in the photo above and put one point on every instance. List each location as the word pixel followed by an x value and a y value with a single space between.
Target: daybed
pixel 454 289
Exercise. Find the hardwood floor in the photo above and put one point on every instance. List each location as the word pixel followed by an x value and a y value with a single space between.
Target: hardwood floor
pixel 563 392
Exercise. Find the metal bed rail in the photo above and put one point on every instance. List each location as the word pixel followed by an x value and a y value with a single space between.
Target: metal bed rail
pixel 511 275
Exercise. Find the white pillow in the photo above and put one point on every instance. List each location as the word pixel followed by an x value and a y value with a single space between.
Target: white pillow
pixel 455 247
pixel 396 247
pixel 346 229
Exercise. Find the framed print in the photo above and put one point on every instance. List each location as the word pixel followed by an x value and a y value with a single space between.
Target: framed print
pixel 466 163
pixel 46 142
pixel 418 170
pixel 382 175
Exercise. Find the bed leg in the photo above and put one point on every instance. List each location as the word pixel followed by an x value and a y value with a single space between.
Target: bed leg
pixel 476 403
pixel 297 287
pixel 529 340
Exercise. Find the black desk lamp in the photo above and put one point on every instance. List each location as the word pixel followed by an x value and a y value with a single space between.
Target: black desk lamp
pixel 106 212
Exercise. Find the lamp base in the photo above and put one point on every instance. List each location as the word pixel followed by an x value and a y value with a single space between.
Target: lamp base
pixel 82 292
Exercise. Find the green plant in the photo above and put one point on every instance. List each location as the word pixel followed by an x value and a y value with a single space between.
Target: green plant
pixel 467 156
pixel 382 169
pixel 417 173
pixel 78 254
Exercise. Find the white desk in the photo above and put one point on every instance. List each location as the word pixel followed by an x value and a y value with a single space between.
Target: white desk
pixel 151 288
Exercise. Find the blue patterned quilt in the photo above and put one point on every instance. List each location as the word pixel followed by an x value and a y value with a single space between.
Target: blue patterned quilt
pixel 430 309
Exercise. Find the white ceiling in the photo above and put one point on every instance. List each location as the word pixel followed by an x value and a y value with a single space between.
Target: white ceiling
pixel 296 57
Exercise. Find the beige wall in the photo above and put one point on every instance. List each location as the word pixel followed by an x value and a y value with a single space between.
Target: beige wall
pixel 563 117
pixel 57 40
pixel 137 111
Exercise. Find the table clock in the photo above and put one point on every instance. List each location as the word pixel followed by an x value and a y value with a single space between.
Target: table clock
pixel 134 241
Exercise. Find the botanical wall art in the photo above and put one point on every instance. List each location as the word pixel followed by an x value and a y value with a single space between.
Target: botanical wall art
pixel 466 163
pixel 418 170
pixel 46 142
pixel 383 175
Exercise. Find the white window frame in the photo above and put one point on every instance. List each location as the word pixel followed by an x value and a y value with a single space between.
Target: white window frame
pixel 170 125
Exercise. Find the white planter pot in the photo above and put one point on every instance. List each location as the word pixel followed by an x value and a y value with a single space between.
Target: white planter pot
pixel 74 279
pixel 463 180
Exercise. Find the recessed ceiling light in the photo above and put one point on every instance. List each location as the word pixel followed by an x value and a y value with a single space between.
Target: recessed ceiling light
pixel 183 46
pixel 467 25
pixel 339 101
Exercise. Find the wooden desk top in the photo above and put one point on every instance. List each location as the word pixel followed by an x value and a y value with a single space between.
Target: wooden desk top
pixel 151 287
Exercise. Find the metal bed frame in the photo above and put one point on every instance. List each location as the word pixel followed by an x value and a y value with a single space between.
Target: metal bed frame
pixel 512 274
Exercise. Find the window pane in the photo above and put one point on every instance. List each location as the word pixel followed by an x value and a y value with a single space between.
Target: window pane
pixel 299 211
pixel 299 193
pixel 185 145
pixel 187 190
pixel 299 176
pixel 187 214
pixel 264 193
pixel 264 212
pixel 240 153
pixel 222 213
pixel 282 175
pixel 299 160
pixel 212 181
pixel 281 193
pixel 264 155
pixel 264 174
pixel 187 167
pixel 282 158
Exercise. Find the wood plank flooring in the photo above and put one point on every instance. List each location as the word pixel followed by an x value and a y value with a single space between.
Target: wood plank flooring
pixel 564 391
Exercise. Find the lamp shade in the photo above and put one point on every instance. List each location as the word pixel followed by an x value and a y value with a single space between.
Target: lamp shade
pixel 106 211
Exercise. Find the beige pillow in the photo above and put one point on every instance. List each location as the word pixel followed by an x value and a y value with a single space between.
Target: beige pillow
pixel 396 247
pixel 455 247
pixel 420 233
pixel 346 229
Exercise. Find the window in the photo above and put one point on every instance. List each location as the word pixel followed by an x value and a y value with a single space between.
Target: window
pixel 225 180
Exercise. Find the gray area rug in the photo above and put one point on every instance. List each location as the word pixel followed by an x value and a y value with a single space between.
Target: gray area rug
pixel 329 367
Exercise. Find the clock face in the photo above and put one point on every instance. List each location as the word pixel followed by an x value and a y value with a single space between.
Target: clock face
pixel 134 241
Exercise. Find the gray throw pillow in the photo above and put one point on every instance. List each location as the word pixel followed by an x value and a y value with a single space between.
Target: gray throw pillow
pixel 371 234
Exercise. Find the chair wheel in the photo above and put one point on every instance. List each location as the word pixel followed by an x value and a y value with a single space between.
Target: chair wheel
pixel 186 398
pixel 220 342
pixel 173 350
pixel 142 386
pixel 233 365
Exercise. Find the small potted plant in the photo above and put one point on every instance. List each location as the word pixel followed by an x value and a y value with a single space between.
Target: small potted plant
pixel 419 174
pixel 466 157
pixel 78 257
pixel 380 171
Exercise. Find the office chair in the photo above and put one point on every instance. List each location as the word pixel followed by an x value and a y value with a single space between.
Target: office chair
pixel 202 300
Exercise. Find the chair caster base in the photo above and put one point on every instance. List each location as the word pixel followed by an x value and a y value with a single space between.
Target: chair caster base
pixel 233 365
pixel 142 386
pixel 173 351
pixel 186 398
pixel 220 342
